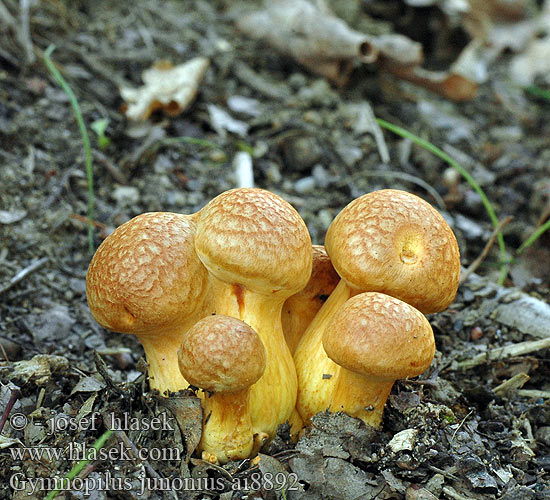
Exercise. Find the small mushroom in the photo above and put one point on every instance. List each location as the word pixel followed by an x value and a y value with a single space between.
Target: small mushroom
pixel 146 279
pixel 258 253
pixel 300 309
pixel 375 339
pixel 224 357
pixel 387 241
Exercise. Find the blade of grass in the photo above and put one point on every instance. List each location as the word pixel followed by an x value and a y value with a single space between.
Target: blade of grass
pixel 475 186
pixel 77 468
pixel 534 237
pixel 85 141
pixel 538 92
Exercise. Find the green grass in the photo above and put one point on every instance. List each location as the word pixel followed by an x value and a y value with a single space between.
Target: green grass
pixel 80 465
pixel 85 141
pixel 538 92
pixel 99 127
pixel 534 237
pixel 475 186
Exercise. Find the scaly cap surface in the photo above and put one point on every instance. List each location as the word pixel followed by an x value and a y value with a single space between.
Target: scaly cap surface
pixel 221 354
pixel 255 238
pixel 146 275
pixel 394 242
pixel 380 336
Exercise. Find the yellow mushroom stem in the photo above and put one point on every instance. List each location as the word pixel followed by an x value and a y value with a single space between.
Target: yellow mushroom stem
pixel 161 353
pixel 300 308
pixel 226 429
pixel 360 396
pixel 317 373
pixel 273 397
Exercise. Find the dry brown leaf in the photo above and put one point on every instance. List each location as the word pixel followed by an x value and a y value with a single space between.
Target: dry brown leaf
pixel 166 87
pixel 446 83
pixel 310 33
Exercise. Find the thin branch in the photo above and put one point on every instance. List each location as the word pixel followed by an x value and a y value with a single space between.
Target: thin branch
pixel 476 263
pixel 513 383
pixel 501 353
pixel 21 275
pixel 408 178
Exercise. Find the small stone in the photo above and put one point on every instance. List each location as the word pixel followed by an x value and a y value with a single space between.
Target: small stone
pixel 217 156
pixel 301 153
pixel 126 195
pixel 435 484
pixel 163 164
pixel 297 81
pixel 10 348
pixel 175 198
pixel 325 218
pixel 195 198
pixel 472 201
pixel 123 360
pixel 55 322
pixel 403 440
pixel 416 493
pixel 273 173
pixel 77 286
pixel 304 185
pixel 476 333
pixel 350 154
pixel 543 435
pixel 321 176
pixel 287 185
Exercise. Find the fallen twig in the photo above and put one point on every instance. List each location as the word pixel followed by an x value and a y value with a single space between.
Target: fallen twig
pixel 102 369
pixel 368 115
pixel 86 220
pixel 6 17
pixel 533 393
pixel 113 169
pixel 267 88
pixel 21 275
pixel 501 353
pixel 476 263
pixel 409 178
pixel 509 385
pixel 459 426
pixel 24 34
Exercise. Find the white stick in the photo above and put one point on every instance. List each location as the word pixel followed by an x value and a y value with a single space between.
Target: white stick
pixel 242 167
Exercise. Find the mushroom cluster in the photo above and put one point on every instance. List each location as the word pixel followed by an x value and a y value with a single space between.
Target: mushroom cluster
pixel 390 242
pixel 222 300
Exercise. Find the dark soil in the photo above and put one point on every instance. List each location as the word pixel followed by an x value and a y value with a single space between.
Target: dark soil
pixel 462 439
